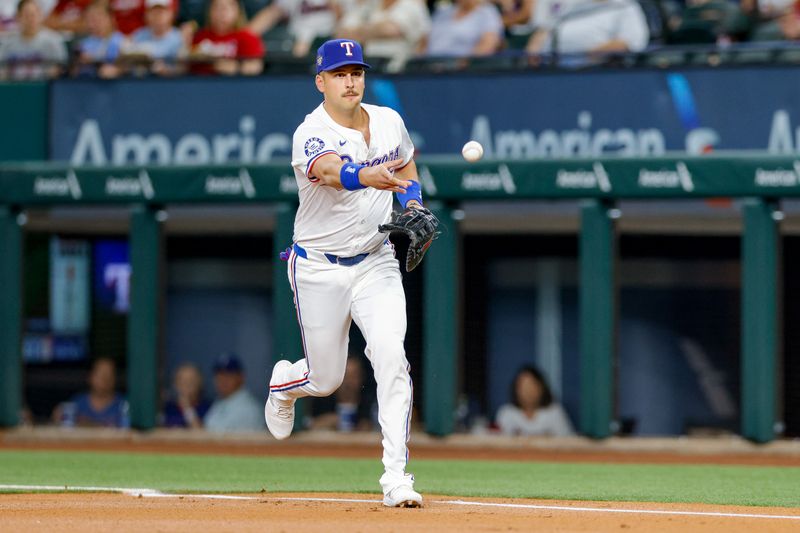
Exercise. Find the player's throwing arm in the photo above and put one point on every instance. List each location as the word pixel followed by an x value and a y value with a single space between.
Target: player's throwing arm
pixel 333 172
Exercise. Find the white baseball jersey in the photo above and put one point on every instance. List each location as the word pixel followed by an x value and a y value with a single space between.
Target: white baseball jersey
pixel 330 295
pixel 345 223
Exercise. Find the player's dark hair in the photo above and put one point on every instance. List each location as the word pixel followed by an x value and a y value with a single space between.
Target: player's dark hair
pixel 547 396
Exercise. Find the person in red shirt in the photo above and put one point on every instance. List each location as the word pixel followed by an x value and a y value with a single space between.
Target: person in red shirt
pixel 67 16
pixel 128 15
pixel 224 46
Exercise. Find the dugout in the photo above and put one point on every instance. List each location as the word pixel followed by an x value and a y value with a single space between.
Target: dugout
pixel 592 237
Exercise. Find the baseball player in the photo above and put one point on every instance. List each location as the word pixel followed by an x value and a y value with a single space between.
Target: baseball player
pixel 348 159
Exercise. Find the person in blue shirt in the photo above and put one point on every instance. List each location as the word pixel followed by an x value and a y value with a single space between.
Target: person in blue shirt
pixel 159 42
pixel 188 406
pixel 99 51
pixel 101 406
pixel 235 409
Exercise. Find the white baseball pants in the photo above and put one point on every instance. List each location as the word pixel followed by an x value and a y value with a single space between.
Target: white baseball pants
pixel 328 297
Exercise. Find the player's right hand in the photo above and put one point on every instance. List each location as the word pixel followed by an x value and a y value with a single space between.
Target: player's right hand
pixel 382 177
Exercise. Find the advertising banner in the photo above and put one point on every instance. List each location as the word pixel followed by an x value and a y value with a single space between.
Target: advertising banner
pixel 514 116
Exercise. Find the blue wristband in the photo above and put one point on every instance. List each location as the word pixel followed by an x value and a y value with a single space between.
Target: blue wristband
pixel 414 192
pixel 348 175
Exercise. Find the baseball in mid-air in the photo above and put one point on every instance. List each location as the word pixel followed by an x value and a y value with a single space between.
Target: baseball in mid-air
pixel 472 151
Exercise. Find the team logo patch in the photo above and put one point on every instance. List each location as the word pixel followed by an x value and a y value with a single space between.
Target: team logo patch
pixel 319 60
pixel 313 145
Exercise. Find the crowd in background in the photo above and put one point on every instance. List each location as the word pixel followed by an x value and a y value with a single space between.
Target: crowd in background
pixel 531 409
pixel 41 39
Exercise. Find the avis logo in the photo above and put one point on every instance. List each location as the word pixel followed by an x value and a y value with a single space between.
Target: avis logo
pixel 231 185
pixel 584 179
pixel 130 186
pixel 667 179
pixel 502 180
pixel 58 186
pixel 779 177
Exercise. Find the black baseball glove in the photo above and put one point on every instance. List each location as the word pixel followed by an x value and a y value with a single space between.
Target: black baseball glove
pixel 420 226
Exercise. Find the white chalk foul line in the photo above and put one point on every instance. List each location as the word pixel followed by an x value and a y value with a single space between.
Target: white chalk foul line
pixel 145 493
pixel 562 508
pixel 152 493
pixel 611 510
pixel 71 488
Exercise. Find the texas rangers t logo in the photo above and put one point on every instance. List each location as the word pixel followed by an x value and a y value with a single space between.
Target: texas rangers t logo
pixel 349 46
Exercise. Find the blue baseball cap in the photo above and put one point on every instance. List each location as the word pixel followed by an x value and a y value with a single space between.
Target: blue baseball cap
pixel 228 362
pixel 338 53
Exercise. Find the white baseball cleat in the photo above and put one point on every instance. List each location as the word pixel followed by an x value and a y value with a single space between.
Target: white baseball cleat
pixel 402 496
pixel 278 413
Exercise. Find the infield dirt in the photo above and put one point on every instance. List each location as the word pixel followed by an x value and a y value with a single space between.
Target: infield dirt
pixel 123 513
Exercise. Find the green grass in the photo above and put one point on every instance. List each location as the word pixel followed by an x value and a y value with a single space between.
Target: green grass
pixel 734 485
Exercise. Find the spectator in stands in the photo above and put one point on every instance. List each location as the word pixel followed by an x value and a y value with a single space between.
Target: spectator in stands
pixel 790 23
pixel 188 406
pixel 532 410
pixel 466 28
pixel 98 52
pixel 102 406
pixel 225 46
pixel 31 52
pixel 128 15
pixel 350 409
pixel 160 42
pixel 388 29
pixel 777 21
pixel 308 20
pixel 235 408
pixel 68 16
pixel 766 9
pixel 527 15
pixel 600 26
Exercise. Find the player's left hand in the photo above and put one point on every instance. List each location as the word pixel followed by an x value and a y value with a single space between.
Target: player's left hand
pixel 382 177
pixel 420 225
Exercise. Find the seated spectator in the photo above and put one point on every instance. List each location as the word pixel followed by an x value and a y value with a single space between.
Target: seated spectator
pixel 599 26
pixel 103 44
pixel 101 406
pixel 225 46
pixel 235 409
pixel 160 43
pixel 532 410
pixel 187 407
pixel 32 52
pixel 388 29
pixel 349 409
pixel 466 28
pixel 308 20
pixel 68 16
